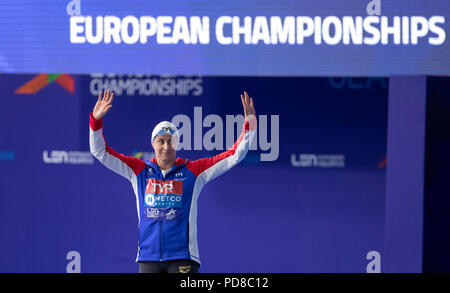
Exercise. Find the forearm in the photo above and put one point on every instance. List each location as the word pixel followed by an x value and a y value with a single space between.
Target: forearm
pixel 210 168
pixel 123 165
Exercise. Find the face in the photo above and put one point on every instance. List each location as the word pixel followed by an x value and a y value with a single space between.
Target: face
pixel 164 149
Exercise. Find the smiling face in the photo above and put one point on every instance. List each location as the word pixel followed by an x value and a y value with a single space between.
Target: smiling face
pixel 164 149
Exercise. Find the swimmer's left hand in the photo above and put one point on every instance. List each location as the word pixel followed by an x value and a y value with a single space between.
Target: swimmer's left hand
pixel 249 107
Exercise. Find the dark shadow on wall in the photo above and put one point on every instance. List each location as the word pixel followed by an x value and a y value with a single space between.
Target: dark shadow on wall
pixel 436 239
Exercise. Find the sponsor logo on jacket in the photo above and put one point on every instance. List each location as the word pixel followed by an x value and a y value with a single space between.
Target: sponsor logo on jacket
pixel 163 193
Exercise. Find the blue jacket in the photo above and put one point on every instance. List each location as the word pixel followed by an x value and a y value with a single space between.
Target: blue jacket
pixel 167 205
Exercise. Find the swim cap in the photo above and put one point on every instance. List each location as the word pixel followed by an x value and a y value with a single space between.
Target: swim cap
pixel 166 127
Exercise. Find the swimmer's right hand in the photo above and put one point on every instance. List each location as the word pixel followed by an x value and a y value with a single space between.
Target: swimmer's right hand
pixel 103 104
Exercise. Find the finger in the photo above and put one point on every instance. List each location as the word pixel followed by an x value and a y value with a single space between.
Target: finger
pixel 104 95
pixel 246 97
pixel 251 102
pixel 112 98
pixel 244 104
pixel 108 95
pixel 99 96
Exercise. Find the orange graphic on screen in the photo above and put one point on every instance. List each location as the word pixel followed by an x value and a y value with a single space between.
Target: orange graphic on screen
pixel 42 80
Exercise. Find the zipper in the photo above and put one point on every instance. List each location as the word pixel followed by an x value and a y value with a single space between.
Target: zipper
pixel 160 239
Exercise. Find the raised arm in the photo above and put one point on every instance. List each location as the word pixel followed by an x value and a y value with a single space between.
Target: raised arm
pixel 125 166
pixel 206 169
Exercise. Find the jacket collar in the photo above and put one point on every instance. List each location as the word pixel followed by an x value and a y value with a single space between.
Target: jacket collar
pixel 179 164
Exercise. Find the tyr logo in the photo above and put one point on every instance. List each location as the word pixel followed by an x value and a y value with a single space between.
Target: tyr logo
pixel 156 186
pixel 166 186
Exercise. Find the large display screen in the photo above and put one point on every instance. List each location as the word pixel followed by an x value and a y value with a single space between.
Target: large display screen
pixel 253 38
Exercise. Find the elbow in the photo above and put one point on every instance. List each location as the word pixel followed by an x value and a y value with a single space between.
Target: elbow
pixel 97 152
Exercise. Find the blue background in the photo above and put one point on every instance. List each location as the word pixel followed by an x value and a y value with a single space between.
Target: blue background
pixel 258 217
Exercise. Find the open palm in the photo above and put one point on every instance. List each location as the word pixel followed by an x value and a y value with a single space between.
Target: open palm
pixel 103 104
pixel 249 107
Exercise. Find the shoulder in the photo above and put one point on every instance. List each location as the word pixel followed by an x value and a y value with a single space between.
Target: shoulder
pixel 200 165
pixel 196 166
